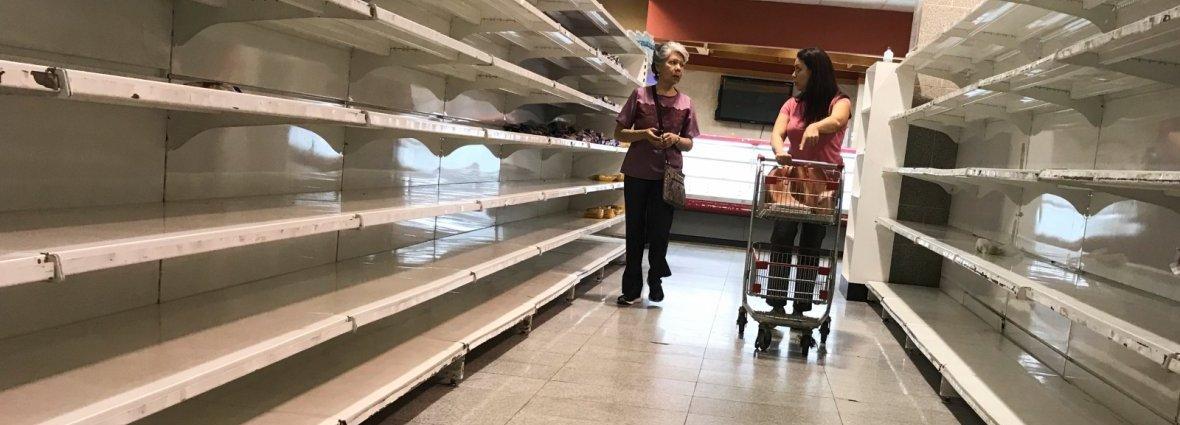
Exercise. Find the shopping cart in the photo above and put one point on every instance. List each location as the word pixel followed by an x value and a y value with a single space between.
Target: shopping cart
pixel 807 192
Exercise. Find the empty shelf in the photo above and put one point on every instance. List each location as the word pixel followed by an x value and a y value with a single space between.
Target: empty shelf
pixel 958 175
pixel 998 379
pixel 124 366
pixel 43 245
pixel 1157 187
pixel 212 108
pixel 1074 78
pixel 347 380
pixel 591 21
pixel 528 29
pixel 389 39
pixel 1138 180
pixel 1142 322
pixel 586 146
pixel 994 31
pixel 977 178
pixel 1138 49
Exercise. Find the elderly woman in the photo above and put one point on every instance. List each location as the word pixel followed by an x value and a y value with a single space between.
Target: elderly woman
pixel 659 123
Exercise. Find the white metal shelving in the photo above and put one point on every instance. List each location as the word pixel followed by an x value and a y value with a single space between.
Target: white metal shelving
pixel 1156 187
pixel 378 365
pixel 128 361
pixel 996 31
pixel 531 34
pixel 1122 314
pixel 591 21
pixel 992 374
pixel 52 245
pixel 389 39
pixel 1024 62
pixel 1074 78
pixel 126 366
pixel 213 108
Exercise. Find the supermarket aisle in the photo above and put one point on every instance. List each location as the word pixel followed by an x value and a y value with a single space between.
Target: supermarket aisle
pixel 680 363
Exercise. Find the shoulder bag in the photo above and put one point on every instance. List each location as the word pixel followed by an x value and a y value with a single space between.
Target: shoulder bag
pixel 673 177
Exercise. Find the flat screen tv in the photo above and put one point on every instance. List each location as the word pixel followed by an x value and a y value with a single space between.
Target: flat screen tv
pixel 751 100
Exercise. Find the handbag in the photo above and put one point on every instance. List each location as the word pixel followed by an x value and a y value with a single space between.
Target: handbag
pixel 673 177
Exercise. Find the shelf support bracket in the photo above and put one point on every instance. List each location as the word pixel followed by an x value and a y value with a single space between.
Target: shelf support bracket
pixel 1164 72
pixel 1090 108
pixel 945 389
pixel 1021 120
pixel 452 374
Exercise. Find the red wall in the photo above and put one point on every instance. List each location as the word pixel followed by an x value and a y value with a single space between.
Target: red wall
pixel 763 23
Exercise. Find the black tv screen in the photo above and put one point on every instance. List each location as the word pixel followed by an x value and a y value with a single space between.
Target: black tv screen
pixel 751 100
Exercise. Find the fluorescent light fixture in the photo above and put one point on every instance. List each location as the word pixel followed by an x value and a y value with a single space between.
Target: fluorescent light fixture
pixel 562 38
pixel 598 19
pixel 992 15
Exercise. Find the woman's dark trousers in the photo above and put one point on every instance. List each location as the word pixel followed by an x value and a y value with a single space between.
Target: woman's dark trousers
pixel 811 236
pixel 649 221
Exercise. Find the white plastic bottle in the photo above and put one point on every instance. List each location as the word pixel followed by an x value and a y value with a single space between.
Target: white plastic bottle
pixel 888 57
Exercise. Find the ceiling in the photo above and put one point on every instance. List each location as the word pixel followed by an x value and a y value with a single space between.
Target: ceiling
pixel 898 5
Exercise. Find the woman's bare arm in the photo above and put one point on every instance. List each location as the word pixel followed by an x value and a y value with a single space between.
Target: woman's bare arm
pixel 833 123
pixel 841 112
pixel 778 139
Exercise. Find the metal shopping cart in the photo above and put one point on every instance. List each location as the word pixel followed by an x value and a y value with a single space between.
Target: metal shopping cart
pixel 807 192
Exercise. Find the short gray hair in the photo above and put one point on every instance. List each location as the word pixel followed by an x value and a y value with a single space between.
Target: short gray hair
pixel 663 51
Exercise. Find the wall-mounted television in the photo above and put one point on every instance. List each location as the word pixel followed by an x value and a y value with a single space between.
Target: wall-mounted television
pixel 751 100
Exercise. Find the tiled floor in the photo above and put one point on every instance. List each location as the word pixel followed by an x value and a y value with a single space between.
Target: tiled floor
pixel 680 362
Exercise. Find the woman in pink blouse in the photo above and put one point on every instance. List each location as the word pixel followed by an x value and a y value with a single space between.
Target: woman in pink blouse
pixel 659 123
pixel 810 126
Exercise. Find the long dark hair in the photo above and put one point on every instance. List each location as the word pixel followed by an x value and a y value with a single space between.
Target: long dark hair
pixel 816 98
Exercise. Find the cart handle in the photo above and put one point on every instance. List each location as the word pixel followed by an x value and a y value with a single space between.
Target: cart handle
pixel 816 164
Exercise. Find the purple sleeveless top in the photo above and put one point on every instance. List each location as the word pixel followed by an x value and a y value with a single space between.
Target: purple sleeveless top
pixel 643 160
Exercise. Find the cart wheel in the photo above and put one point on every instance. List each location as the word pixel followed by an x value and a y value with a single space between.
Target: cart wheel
pixel 805 343
pixel 762 341
pixel 741 322
pixel 824 329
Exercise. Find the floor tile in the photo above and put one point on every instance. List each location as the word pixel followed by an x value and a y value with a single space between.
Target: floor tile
pixel 447 405
pixel 524 370
pixel 600 412
pixel 654 370
pixel 617 395
pixel 812 411
pixel 641 357
pixel 644 383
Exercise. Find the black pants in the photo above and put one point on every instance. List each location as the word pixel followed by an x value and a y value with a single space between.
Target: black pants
pixel 649 221
pixel 784 233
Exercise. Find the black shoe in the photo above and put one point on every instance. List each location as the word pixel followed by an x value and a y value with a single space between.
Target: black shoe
pixel 655 292
pixel 623 300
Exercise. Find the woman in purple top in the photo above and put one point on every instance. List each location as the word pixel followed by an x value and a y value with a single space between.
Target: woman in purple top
pixel 653 144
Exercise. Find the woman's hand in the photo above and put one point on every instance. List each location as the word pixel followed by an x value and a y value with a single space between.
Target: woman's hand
pixel 810 135
pixel 783 158
pixel 668 140
pixel 651 136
